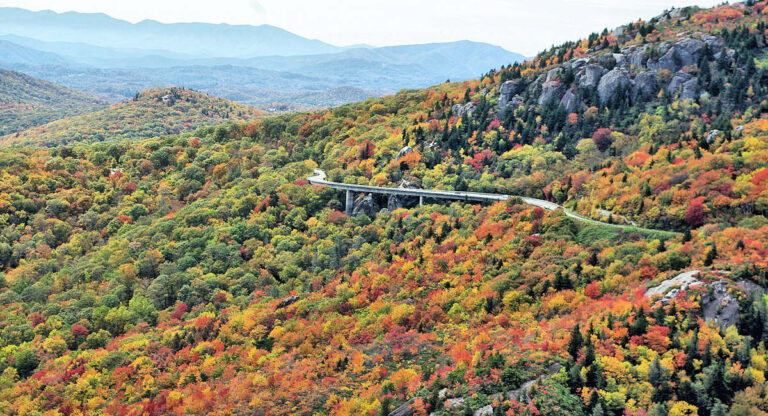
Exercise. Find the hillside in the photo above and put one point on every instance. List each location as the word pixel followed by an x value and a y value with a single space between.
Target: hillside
pixel 150 113
pixel 13 53
pixel 200 273
pixel 27 102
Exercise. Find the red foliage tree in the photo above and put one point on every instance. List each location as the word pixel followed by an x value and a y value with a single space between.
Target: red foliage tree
pixel 602 139
pixel 180 310
pixel 130 187
pixel 366 149
pixel 695 214
pixel 79 330
pixel 593 290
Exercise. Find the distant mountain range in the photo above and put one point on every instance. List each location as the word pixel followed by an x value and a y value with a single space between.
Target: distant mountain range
pixel 258 65
pixel 193 39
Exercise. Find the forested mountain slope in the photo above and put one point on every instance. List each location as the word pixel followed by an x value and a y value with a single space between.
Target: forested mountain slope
pixel 27 102
pixel 150 113
pixel 200 274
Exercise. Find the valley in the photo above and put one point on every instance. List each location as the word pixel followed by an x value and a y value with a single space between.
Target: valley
pixel 580 233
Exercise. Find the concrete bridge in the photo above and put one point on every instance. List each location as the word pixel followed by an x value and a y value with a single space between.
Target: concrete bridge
pixel 319 178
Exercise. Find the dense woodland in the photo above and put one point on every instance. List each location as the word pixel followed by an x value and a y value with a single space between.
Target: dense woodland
pixel 27 102
pixel 150 113
pixel 200 273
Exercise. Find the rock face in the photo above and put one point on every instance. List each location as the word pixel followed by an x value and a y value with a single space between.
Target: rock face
pixel 683 53
pixel 454 403
pixel 690 89
pixel 718 303
pixel 508 90
pixel 681 282
pixel 715 44
pixel 484 411
pixel 611 82
pixel 554 74
pixel 570 102
pixel 287 301
pixel 712 136
pixel 404 151
pixel 459 110
pixel 576 64
pixel 365 205
pixel 646 84
pixel 549 90
pixel 637 56
pixel 635 70
pixel 591 76
pixel 666 62
pixel 399 201
pixel 688 51
pixel 685 84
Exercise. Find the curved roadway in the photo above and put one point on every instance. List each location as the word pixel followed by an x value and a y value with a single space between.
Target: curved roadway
pixel 319 178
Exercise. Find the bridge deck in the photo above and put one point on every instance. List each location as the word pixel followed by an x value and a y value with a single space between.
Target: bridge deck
pixel 319 178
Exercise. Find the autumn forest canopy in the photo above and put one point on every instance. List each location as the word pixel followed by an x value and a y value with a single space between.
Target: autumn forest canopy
pixel 168 255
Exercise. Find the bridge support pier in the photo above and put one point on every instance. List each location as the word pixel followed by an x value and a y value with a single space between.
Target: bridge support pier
pixel 350 202
pixel 421 200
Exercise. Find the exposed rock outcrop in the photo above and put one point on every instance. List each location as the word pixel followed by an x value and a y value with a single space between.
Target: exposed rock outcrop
pixel 681 282
pixel 688 51
pixel 549 90
pixel 508 90
pixel 714 43
pixel 404 151
pixel 666 62
pixel 287 301
pixel 591 76
pixel 646 84
pixel 718 303
pixel 400 201
pixel 636 70
pixel 685 84
pixel 683 53
pixel 403 410
pixel 365 205
pixel 637 57
pixel 570 102
pixel 611 82
pixel 459 110
pixel 484 411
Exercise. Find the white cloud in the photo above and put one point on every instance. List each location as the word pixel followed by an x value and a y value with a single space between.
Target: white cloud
pixel 518 25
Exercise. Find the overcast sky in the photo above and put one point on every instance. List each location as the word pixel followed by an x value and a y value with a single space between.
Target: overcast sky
pixel 524 26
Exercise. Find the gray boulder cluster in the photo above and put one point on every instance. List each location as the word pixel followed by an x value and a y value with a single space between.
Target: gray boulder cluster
pixel 718 302
pixel 639 70
pixel 459 110
pixel 369 205
pixel 522 394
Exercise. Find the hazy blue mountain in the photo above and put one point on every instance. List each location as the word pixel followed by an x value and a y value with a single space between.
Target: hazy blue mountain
pixel 99 56
pixel 434 62
pixel 254 86
pixel 16 54
pixel 196 39
pixel 257 65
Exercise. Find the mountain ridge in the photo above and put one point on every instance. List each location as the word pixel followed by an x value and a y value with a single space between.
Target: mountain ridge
pixel 150 113
pixel 27 102
pixel 190 38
